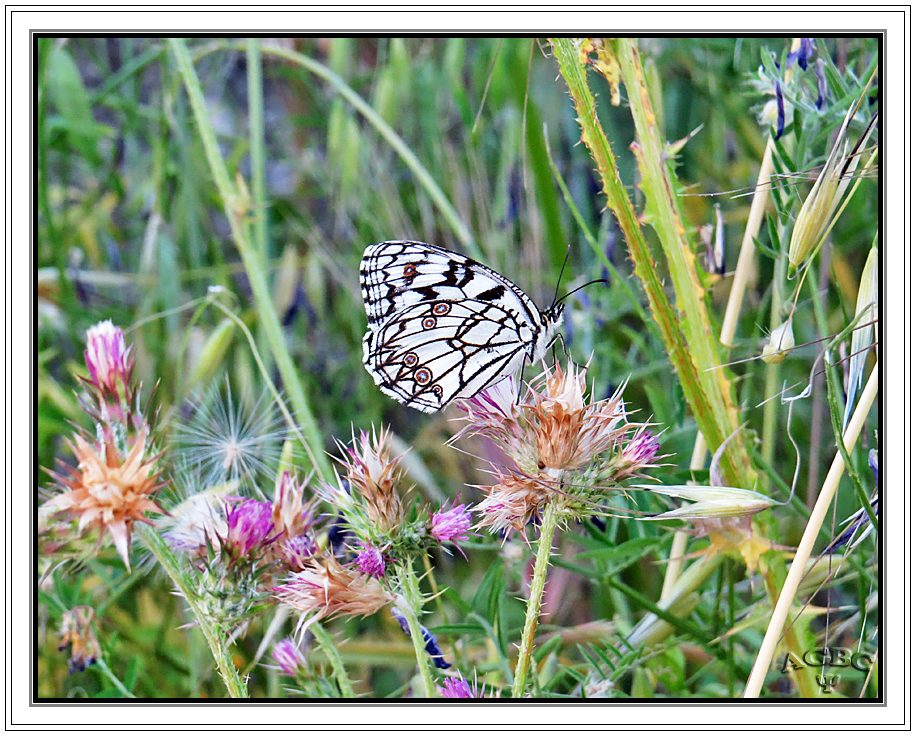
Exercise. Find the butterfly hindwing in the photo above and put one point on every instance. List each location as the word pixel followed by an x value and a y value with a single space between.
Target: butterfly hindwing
pixel 430 354
pixel 443 326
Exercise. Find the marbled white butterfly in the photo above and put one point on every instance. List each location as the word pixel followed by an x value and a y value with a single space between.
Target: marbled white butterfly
pixel 443 326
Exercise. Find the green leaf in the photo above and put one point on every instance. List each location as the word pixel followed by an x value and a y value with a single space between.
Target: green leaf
pixel 72 102
pixel 491 588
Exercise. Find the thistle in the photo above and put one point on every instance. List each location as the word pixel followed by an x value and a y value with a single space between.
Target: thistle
pixel 558 446
pixel 107 492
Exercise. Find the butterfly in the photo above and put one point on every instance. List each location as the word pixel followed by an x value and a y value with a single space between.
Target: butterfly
pixel 443 326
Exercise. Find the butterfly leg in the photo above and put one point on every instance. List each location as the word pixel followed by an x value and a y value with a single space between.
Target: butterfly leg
pixel 521 375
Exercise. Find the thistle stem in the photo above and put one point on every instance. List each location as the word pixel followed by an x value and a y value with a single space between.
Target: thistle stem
pixel 218 644
pixel 549 522
pixel 410 590
pixel 333 654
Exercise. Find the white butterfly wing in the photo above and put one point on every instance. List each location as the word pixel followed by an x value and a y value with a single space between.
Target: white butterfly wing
pixel 443 326
pixel 399 273
pixel 426 357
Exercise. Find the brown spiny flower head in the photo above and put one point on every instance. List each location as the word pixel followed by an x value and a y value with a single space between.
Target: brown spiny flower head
pixel 554 428
pixel 292 515
pixel 293 523
pixel 106 492
pixel 557 445
pixel 571 434
pixel 77 633
pixel 512 502
pixel 372 506
pixel 325 588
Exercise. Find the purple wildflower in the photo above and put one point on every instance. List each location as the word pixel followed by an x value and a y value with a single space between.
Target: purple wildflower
pixel 289 657
pixel 249 526
pixel 802 55
pixel 638 454
pixel 458 687
pixel 821 84
pixel 781 112
pixel 451 525
pixel 298 551
pixel 371 561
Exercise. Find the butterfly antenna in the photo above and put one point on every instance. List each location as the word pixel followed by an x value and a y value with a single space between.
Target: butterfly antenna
pixel 560 279
pixel 579 288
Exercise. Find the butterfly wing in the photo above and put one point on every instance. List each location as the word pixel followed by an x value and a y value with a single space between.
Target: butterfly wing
pixel 431 353
pixel 443 326
pixel 400 273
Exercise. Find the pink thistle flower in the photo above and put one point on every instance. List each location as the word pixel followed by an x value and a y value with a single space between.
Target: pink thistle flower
pixel 638 454
pixel 289 657
pixel 108 358
pixel 110 372
pixel 297 552
pixel 451 525
pixel 371 561
pixel 249 526
pixel 458 687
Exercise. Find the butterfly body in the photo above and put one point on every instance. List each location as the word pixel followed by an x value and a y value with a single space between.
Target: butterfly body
pixel 443 326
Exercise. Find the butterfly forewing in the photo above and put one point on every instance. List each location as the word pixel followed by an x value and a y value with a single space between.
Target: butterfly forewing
pixel 442 326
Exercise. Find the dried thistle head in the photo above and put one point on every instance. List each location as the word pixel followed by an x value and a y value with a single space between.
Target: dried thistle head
pixel 292 515
pixel 512 502
pixel 373 504
pixel 558 444
pixel 326 588
pixel 107 493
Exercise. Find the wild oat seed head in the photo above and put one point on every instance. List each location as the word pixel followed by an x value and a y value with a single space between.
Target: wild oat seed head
pixel 723 514
pixel 780 342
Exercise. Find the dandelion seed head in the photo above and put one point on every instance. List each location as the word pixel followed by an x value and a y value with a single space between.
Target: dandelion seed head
pixel 226 441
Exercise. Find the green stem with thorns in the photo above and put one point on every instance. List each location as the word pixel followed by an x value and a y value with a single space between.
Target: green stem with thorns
pixel 549 521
